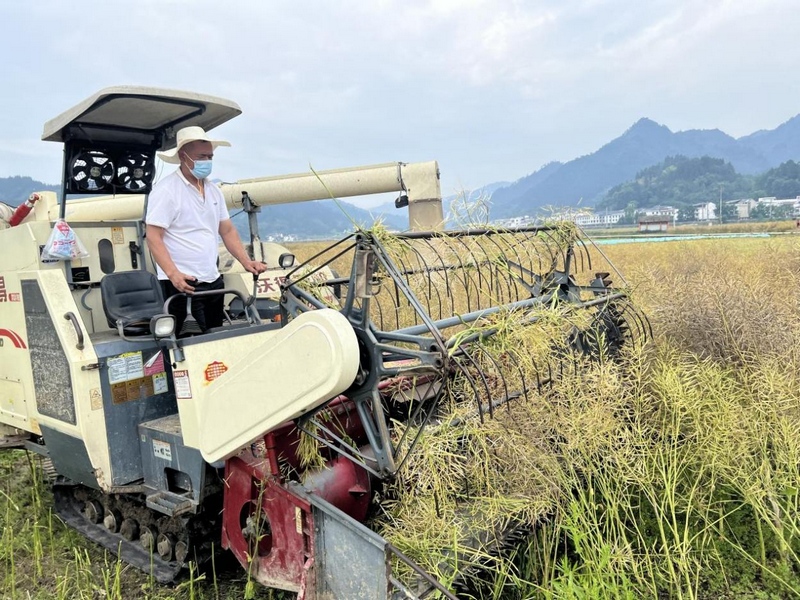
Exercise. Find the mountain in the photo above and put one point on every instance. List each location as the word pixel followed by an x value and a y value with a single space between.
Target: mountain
pixel 318 219
pixel 15 190
pixel 586 179
pixel 778 145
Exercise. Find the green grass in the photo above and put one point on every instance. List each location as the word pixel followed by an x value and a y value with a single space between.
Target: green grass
pixel 674 474
pixel 42 559
pixel 671 474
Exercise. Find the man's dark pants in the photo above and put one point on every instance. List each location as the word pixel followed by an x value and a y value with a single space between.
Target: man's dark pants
pixel 206 310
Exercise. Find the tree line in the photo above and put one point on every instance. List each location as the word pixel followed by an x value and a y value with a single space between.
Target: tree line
pixel 683 182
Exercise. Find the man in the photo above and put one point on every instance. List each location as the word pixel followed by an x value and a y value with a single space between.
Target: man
pixel 185 214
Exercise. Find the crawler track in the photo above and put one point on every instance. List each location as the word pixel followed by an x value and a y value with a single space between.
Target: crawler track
pixel 150 541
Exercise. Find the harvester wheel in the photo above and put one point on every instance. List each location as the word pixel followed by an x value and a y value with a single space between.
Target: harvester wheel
pixel 93 511
pixel 129 529
pixel 112 520
pixel 166 546
pixel 148 537
pixel 181 551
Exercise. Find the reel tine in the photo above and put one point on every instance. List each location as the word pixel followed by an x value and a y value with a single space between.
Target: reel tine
pixel 498 372
pixel 495 279
pixel 400 301
pixel 584 256
pixel 467 278
pixel 484 381
pixel 470 380
pixel 428 270
pixel 643 323
pixel 508 288
pixel 444 269
pixel 550 242
pixel 489 292
pixel 429 410
pixel 411 274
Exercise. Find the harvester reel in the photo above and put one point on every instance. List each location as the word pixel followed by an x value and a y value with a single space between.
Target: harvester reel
pixel 605 336
pixel 425 307
pixel 614 324
pixel 91 171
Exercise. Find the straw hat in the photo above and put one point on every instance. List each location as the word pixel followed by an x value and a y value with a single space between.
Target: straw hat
pixel 184 136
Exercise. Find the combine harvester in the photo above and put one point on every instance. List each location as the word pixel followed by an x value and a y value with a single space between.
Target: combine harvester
pixel 162 448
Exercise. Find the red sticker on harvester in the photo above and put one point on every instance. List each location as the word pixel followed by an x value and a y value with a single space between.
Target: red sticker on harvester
pixel 15 338
pixel 154 364
pixel 183 389
pixel 214 370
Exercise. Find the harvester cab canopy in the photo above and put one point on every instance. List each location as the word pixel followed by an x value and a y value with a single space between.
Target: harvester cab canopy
pixel 111 138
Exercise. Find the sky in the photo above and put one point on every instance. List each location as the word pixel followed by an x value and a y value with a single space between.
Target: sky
pixel 491 89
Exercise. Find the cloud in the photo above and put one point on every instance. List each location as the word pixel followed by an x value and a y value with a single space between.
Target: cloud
pixel 493 89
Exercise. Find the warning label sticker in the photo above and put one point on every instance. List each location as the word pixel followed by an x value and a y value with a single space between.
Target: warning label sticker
pixel 183 389
pixel 96 399
pixel 125 367
pixel 160 383
pixel 162 450
pixel 119 393
pixel 140 388
pixel 117 235
pixel 134 389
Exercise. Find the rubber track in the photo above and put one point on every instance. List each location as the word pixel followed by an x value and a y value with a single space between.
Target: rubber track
pixel 131 552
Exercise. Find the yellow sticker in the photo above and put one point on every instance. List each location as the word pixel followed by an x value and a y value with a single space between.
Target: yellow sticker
pixel 298 520
pixel 96 399
pixel 117 235
pixel 160 383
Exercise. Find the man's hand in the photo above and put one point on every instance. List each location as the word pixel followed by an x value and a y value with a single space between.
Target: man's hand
pixel 230 237
pixel 183 282
pixel 254 266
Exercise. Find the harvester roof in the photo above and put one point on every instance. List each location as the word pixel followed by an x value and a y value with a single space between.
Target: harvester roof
pixel 138 115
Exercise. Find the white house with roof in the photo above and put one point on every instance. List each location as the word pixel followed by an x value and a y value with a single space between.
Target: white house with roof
pixel 602 219
pixel 791 204
pixel 742 206
pixel 765 207
pixel 705 211
pixel 660 211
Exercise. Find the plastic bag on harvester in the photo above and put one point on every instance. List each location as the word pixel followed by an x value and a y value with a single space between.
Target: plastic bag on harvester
pixel 63 244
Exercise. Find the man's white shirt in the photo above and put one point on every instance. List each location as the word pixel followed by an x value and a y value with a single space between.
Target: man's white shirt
pixel 190 222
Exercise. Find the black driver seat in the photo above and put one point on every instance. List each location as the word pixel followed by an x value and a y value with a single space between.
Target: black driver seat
pixel 132 298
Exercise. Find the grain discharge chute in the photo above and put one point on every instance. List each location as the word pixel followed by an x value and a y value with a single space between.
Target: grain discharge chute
pixel 274 435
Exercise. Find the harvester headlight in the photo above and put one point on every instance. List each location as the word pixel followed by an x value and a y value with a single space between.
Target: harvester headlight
pixel 162 326
pixel 286 260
